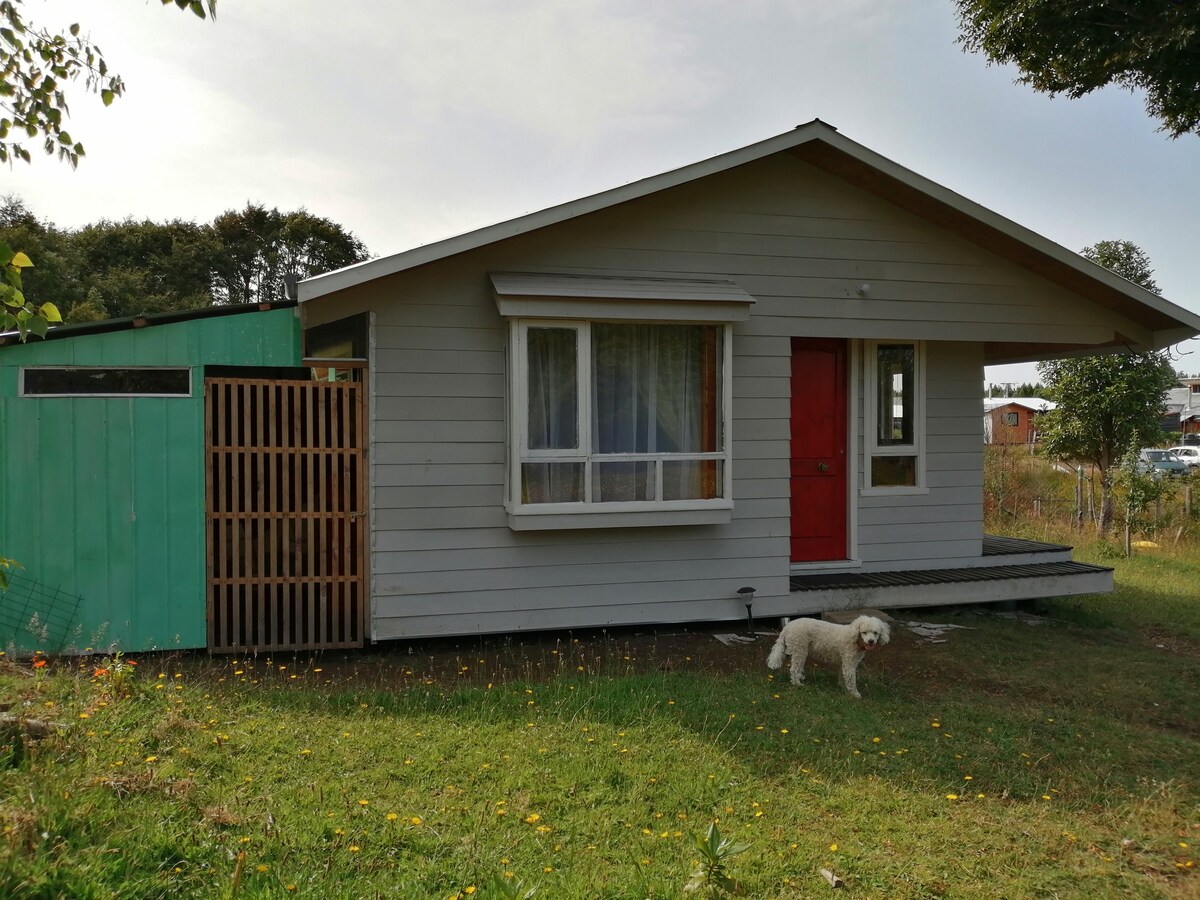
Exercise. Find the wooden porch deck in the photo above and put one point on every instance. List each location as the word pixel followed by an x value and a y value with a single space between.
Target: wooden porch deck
pixel 1009 569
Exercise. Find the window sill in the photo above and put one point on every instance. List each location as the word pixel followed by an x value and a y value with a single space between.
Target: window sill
pixel 527 520
pixel 892 491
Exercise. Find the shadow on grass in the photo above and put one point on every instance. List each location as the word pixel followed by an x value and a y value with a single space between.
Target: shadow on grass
pixel 1087 709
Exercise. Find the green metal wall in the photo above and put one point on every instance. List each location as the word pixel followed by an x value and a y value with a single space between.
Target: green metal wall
pixel 102 498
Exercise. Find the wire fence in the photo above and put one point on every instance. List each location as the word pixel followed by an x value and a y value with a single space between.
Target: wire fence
pixel 1020 486
pixel 36 614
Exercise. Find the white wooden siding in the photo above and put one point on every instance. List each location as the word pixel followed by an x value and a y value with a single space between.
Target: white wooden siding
pixel 799 241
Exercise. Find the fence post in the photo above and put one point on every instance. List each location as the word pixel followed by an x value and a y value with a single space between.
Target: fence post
pixel 1037 507
pixel 1079 499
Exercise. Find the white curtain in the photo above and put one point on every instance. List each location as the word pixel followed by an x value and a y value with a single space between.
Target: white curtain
pixel 553 415
pixel 655 390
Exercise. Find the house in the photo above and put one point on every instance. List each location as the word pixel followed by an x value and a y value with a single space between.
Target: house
pixel 762 370
pixel 1012 420
pixel 753 380
pixel 1183 403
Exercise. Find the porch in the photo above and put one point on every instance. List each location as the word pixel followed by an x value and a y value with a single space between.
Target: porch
pixel 1008 569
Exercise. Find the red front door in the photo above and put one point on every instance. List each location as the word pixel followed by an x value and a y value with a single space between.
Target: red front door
pixel 818 476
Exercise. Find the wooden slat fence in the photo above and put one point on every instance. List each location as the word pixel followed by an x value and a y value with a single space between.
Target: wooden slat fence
pixel 286 521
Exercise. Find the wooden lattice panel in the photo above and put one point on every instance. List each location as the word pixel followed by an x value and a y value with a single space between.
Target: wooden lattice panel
pixel 286 523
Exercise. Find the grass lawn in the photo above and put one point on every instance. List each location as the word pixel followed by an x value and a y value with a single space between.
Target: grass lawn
pixel 1014 760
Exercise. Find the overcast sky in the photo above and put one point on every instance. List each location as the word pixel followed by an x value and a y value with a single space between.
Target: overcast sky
pixel 413 120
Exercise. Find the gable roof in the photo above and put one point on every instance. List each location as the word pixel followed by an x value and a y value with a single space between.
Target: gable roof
pixel 1034 404
pixel 820 144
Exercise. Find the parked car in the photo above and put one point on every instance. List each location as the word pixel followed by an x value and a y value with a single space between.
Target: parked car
pixel 1190 455
pixel 1160 462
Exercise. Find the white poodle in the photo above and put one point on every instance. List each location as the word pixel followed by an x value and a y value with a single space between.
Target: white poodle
pixel 830 642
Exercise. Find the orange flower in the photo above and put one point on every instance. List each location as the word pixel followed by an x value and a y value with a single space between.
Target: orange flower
pixel 39 664
pixel 100 673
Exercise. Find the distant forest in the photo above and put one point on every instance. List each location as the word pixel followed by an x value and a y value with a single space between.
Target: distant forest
pixel 117 269
pixel 1010 389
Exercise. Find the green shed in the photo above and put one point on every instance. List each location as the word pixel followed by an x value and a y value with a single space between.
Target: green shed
pixel 102 495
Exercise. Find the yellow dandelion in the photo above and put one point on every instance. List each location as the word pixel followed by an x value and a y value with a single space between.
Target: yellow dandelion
pixel 151 759
pixel 364 802
pixel 1045 796
pixel 875 740
pixel 936 724
pixel 783 731
pixel 306 752
pixel 391 817
pixel 261 868
pixel 952 796
pixel 416 820
pixel 532 818
pixel 353 849
pixel 833 847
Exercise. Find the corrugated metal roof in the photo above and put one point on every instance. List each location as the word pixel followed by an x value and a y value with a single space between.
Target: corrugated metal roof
pixel 59 332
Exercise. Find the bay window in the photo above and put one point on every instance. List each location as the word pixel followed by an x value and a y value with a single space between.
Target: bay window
pixel 620 415
pixel 619 398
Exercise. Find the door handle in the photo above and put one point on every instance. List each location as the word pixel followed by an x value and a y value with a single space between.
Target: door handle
pixel 822 467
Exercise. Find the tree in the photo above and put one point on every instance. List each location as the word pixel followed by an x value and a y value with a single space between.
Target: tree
pixel 15 311
pixel 120 269
pixel 1073 47
pixel 260 248
pixel 36 65
pixel 1123 258
pixel 130 267
pixel 1108 406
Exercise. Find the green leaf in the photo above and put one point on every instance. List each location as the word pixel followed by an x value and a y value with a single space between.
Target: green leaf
pixel 21 261
pixel 6 254
pixel 106 97
pixel 50 313
pixel 39 326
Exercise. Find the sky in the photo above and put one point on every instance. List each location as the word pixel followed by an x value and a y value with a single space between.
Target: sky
pixel 408 122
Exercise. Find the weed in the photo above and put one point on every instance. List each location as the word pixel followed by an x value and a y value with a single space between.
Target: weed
pixel 710 878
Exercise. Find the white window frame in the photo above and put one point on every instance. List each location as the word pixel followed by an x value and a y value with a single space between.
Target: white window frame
pixel 101 395
pixel 871 446
pixel 588 513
